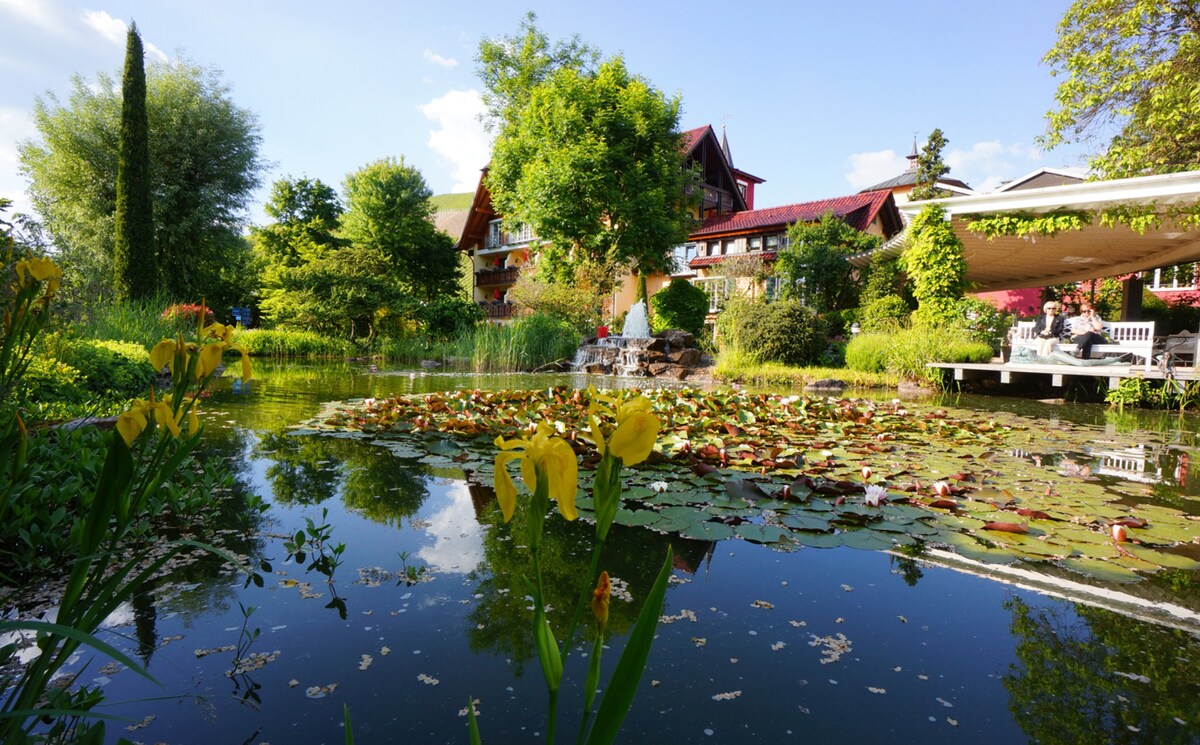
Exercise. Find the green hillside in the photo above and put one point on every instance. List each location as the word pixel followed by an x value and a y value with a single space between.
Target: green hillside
pixel 452 201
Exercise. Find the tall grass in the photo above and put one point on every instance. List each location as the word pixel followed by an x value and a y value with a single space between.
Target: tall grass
pixel 738 366
pixel 906 352
pixel 137 321
pixel 295 344
pixel 523 345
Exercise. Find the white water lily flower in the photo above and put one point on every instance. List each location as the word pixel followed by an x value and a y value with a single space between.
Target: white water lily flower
pixel 659 486
pixel 875 495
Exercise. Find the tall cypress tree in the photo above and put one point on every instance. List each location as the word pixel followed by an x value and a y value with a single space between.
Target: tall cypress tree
pixel 133 254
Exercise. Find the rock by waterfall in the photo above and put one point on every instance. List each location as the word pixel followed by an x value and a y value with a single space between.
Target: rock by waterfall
pixel 668 354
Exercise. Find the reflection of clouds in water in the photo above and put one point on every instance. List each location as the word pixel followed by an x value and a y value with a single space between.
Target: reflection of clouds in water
pixel 458 545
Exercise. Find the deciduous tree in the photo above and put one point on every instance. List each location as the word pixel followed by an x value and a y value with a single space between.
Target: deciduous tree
pixel 593 163
pixel 1130 84
pixel 204 167
pixel 815 266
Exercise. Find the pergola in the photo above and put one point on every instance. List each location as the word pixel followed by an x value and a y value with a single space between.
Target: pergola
pixel 1008 262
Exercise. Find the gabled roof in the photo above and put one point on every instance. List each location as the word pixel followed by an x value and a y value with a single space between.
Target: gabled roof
pixel 858 211
pixel 1051 177
pixel 909 178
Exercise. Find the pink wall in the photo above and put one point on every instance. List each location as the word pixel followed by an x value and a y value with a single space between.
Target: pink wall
pixel 1020 302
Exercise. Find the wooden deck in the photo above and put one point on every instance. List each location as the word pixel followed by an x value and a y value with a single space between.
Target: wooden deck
pixel 1012 372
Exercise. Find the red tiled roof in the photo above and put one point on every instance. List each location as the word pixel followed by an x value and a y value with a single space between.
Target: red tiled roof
pixel 703 261
pixel 858 210
pixel 692 137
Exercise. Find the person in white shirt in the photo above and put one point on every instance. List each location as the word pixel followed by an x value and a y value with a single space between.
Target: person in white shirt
pixel 1086 328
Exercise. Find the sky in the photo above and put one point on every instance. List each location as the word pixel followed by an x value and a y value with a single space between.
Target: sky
pixel 820 99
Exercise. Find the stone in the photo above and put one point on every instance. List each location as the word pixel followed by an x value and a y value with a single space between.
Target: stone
pixel 689 357
pixel 826 384
pixel 667 370
pixel 677 338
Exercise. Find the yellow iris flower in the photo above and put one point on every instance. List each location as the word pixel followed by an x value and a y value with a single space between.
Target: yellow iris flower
pixel 637 430
pixel 542 456
pixel 43 270
pixel 133 422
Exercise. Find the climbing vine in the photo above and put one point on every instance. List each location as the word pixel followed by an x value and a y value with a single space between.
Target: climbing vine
pixel 935 265
pixel 1025 224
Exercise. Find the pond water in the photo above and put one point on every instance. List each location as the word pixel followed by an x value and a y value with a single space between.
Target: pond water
pixel 758 645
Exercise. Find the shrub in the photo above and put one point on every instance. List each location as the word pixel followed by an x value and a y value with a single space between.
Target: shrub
pixel 449 316
pixel 110 369
pixel 1171 317
pixel 48 380
pixel 883 314
pixel 680 305
pixel 285 343
pixel 983 322
pixel 868 352
pixel 787 332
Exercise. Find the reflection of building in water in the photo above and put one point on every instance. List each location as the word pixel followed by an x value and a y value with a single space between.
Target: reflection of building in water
pixel 1130 464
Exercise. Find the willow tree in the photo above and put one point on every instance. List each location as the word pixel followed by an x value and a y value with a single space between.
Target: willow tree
pixel 134 262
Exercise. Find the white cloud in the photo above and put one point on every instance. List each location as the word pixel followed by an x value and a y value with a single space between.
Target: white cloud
pixel 447 62
pixel 459 136
pixel 986 165
pixel 37 12
pixel 458 542
pixel 868 169
pixel 15 125
pixel 115 31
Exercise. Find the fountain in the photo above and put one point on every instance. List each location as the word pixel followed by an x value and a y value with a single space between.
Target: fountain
pixel 636 352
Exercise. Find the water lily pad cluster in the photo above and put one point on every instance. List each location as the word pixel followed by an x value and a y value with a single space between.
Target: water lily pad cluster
pixel 823 472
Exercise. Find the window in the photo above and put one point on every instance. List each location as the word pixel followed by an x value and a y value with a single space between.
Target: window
pixel 683 256
pixel 717 289
pixel 754 244
pixel 772 243
pixel 729 247
pixel 773 289
pixel 493 235
pixel 1178 277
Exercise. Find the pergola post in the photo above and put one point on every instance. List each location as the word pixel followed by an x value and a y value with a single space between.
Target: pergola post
pixel 1131 298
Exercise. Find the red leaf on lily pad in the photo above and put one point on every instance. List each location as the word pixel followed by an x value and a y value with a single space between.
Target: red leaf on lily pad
pixel 1006 527
pixel 1036 514
pixel 703 469
pixel 944 504
pixel 1131 522
pixel 732 429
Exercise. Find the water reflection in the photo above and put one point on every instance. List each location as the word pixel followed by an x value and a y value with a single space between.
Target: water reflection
pixel 1089 675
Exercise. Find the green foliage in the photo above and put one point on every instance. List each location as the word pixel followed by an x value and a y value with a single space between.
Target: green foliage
pixel 737 366
pixel 292 343
pixel 884 278
pixel 48 380
pixel 137 321
pixel 579 300
pixel 935 265
pixel 204 167
pixel 592 163
pixel 868 352
pixel 448 316
pixel 930 168
pixel 884 313
pixel 388 213
pixel 983 322
pixel 1173 316
pixel 1026 224
pixel 1130 67
pixel 905 352
pixel 787 332
pixel 113 370
pixel 815 265
pixel 1154 394
pixel 680 305
pixel 134 258
pixel 529 343
pixel 511 66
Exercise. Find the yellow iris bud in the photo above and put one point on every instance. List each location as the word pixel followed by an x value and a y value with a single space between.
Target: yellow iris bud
pixel 601 597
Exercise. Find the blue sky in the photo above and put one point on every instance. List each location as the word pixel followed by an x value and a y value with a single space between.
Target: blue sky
pixel 820 98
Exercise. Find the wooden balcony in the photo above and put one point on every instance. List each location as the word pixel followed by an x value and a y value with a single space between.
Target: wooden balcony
pixel 499 276
pixel 497 309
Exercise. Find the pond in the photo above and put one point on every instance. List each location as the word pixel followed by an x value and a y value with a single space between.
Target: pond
pixel 759 642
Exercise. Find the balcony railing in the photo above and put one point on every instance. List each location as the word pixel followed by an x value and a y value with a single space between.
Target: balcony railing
pixel 498 238
pixel 497 309
pixel 499 276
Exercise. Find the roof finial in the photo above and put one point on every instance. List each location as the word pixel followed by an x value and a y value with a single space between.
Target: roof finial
pixel 725 141
pixel 912 159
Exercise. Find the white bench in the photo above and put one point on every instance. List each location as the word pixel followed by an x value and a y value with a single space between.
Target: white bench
pixel 1128 337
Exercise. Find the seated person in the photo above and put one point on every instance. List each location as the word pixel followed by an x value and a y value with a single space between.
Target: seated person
pixel 1047 329
pixel 1086 330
